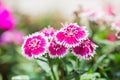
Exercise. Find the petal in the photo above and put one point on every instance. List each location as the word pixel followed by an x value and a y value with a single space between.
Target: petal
pixel 81 35
pixel 70 42
pixel 60 36
pixel 39 51
pixel 28 52
pixel 61 51
pixel 52 52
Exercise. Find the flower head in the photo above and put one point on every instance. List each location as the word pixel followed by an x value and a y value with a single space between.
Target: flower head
pixel 7 20
pixel 34 45
pixel 91 14
pixel 111 37
pixel 109 10
pixel 71 35
pixel 56 50
pixel 116 25
pixel 11 36
pixel 48 32
pixel 85 50
pixel 109 13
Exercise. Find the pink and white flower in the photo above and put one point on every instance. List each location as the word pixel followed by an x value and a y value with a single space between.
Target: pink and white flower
pixel 48 32
pixel 116 25
pixel 57 50
pixel 71 35
pixel 85 50
pixel 34 45
pixel 109 13
pixel 109 10
pixel 91 14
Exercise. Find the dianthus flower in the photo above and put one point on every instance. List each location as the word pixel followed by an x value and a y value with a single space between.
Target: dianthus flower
pixel 56 50
pixel 91 14
pixel 7 19
pixel 71 35
pixel 111 37
pixel 11 36
pixel 109 10
pixel 109 13
pixel 48 32
pixel 85 50
pixel 34 45
pixel 116 25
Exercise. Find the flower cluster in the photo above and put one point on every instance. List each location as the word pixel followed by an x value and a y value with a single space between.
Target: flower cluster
pixel 106 14
pixel 58 43
pixel 8 32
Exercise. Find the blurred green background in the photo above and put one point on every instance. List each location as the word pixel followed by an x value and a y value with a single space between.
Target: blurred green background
pixel 105 65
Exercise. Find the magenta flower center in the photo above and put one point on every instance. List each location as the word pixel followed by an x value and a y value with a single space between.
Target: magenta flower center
pixel 34 44
pixel 71 31
pixel 56 46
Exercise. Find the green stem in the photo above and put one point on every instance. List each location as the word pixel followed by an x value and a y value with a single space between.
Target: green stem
pixel 77 63
pixel 77 68
pixel 40 59
pixel 51 67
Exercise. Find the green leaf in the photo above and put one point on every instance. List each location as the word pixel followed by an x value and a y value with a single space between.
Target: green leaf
pixel 43 65
pixel 20 77
pixel 97 63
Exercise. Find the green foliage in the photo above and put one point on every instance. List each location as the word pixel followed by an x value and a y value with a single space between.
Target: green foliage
pixel 94 76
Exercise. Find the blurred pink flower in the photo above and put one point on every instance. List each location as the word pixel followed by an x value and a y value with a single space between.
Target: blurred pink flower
pixel 111 37
pixel 109 10
pixel 34 45
pixel 71 35
pixel 109 13
pixel 91 14
pixel 88 13
pixel 116 25
pixel 48 32
pixel 85 50
pixel 56 50
pixel 7 19
pixel 11 36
